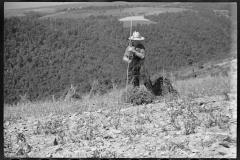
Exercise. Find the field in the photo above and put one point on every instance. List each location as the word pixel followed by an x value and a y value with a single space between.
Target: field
pixel 200 123
pixel 162 10
pixel 140 10
pixel 120 13
pixel 135 20
pixel 42 10
pixel 68 15
pixel 21 12
pixel 123 14
pixel 10 13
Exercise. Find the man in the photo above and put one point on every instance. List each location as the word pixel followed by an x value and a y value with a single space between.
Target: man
pixel 135 55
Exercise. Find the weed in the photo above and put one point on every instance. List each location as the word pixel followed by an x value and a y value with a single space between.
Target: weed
pixel 116 121
pixel 96 153
pixel 130 133
pixel 52 126
pixel 8 145
pixel 99 87
pixel 24 148
pixel 60 137
pixel 139 129
pixel 182 115
pixel 71 94
pixel 37 129
pixel 138 96
pixel 24 99
pixel 186 114
pixel 206 86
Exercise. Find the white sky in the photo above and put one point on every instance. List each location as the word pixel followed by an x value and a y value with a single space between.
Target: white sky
pixel 18 5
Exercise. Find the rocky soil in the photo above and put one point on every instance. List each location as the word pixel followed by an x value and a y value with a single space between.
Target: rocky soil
pixel 137 131
pixel 194 128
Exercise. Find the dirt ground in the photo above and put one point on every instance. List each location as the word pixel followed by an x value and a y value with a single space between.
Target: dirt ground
pixel 134 132
pixel 158 130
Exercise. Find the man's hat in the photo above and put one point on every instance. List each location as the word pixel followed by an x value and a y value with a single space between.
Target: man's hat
pixel 136 36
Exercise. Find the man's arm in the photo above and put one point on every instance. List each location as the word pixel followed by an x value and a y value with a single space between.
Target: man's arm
pixel 140 54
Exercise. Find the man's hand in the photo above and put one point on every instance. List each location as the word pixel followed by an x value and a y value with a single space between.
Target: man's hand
pixel 131 49
pixel 126 59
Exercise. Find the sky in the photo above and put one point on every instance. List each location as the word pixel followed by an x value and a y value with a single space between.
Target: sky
pixel 18 5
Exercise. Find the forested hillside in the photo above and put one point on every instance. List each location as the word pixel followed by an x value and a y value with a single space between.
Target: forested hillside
pixel 43 57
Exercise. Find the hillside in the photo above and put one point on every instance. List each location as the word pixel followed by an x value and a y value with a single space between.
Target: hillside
pixel 43 57
pixel 105 127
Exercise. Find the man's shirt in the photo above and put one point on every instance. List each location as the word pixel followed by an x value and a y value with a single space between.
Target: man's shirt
pixel 139 48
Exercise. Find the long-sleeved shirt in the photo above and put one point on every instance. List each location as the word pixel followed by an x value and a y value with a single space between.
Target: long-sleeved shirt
pixel 131 55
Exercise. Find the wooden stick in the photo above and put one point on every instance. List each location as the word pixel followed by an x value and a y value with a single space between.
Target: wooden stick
pixel 130 44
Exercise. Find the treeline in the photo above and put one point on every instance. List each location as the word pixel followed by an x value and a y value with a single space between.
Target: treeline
pixel 43 57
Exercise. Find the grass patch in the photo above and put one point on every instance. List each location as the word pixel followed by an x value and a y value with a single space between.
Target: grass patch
pixel 137 96
pixel 206 86
pixel 198 87
pixel 97 119
pixel 61 107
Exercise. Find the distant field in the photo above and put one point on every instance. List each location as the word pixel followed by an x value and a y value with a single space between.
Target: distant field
pixel 136 20
pixel 74 14
pixel 20 12
pixel 58 15
pixel 11 13
pixel 140 10
pixel 162 10
pixel 133 18
pixel 121 13
pixel 42 10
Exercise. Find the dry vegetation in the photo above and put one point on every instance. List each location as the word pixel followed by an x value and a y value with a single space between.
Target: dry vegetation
pixel 207 86
pixel 200 122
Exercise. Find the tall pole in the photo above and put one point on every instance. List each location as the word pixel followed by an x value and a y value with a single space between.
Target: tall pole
pixel 130 44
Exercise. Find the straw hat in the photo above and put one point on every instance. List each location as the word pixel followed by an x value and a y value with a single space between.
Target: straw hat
pixel 136 36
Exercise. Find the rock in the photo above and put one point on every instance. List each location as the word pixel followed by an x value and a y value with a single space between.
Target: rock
pixel 232 96
pixel 222 153
pixel 87 113
pixel 146 153
pixel 57 155
pixel 98 138
pixel 99 111
pixel 115 131
pixel 233 128
pixel 224 144
pixel 55 142
pixel 59 149
pixel 213 146
pixel 6 124
pixel 49 155
pixel 36 122
pixel 227 139
pixel 109 136
pixel 225 119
